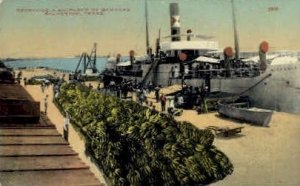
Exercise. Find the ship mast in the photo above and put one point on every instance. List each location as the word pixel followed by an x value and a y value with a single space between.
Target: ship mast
pixel 147 29
pixel 236 38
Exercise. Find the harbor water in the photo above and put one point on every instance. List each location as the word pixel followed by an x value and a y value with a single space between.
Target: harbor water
pixel 61 64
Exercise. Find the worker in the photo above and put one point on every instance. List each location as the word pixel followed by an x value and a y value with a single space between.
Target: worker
pixel 156 89
pixel 66 127
pixel 46 104
pixel 179 101
pixel 163 101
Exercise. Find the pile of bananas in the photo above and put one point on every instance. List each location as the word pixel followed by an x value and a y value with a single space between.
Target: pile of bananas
pixel 135 146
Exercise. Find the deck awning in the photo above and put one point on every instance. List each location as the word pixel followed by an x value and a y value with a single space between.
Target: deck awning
pixel 189 45
pixel 204 59
pixel 124 64
pixel 255 59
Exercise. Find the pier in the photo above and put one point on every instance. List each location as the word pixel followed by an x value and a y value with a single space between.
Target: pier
pixel 36 154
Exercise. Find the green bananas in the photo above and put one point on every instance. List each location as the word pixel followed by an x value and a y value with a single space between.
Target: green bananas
pixel 133 146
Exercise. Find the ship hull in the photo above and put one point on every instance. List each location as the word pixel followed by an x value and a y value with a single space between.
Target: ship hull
pixel 280 91
pixel 278 88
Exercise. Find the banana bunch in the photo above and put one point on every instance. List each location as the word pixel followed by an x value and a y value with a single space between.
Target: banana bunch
pixel 133 146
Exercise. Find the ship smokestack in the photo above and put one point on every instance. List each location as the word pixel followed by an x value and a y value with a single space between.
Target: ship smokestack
pixel 188 33
pixel 263 49
pixel 158 44
pixel 157 48
pixel 228 53
pixel 118 58
pixel 131 57
pixel 175 22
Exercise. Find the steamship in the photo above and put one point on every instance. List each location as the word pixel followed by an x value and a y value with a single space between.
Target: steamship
pixel 270 81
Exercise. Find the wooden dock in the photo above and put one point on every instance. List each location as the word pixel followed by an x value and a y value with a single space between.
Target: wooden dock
pixel 36 154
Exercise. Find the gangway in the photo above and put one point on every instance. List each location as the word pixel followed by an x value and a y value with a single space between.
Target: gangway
pixel 150 70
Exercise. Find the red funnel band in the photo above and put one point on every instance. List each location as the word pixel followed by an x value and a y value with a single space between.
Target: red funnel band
pixel 228 52
pixel 131 53
pixel 264 47
pixel 182 56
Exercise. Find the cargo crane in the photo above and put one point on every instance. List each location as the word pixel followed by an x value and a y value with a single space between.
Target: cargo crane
pixel 88 61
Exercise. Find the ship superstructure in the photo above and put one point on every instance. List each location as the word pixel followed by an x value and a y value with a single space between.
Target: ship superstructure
pixel 271 82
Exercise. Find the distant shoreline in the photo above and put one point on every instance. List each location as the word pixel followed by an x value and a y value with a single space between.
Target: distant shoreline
pixel 42 58
pixel 244 54
pixel 43 68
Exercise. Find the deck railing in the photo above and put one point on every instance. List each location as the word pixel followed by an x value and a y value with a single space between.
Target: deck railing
pixel 219 73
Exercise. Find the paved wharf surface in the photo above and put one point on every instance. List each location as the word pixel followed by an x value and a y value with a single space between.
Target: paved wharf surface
pixel 36 154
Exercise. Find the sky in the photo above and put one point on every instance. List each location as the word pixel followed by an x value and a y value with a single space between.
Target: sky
pixel 35 28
